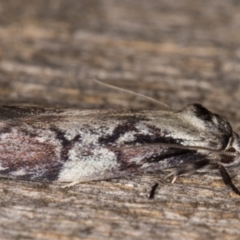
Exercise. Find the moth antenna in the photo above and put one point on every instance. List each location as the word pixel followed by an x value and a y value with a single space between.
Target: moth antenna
pixel 133 93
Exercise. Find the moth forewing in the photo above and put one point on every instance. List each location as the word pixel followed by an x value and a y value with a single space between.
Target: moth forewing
pixel 72 145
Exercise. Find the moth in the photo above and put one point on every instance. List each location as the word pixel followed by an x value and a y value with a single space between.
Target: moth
pixel 74 145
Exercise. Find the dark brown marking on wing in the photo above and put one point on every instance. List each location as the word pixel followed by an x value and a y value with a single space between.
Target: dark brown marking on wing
pixel 118 131
pixel 66 144
pixel 37 159
pixel 173 156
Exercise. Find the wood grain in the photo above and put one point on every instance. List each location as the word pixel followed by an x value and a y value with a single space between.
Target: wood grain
pixel 178 52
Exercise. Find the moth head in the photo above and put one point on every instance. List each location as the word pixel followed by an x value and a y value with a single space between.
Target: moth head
pixel 232 156
pixel 206 120
pixel 217 127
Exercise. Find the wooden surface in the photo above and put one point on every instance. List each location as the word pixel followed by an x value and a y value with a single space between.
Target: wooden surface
pixel 178 52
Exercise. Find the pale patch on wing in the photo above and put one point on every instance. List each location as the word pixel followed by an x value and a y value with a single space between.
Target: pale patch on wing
pixel 126 137
pixel 20 172
pixel 100 161
pixel 2 168
pixel 143 129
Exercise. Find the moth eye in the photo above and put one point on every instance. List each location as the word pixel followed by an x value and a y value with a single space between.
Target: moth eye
pixel 227 159
pixel 231 150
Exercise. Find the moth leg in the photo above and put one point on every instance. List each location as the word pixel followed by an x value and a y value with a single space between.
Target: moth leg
pixel 227 179
pixel 187 169
pixel 174 174
pixel 174 179
pixel 71 184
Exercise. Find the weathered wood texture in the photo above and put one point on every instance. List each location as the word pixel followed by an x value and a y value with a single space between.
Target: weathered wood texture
pixel 175 51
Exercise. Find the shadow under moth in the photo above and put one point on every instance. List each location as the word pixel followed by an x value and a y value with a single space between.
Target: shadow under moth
pixel 73 145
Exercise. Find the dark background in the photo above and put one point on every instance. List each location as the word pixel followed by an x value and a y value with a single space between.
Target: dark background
pixel 178 52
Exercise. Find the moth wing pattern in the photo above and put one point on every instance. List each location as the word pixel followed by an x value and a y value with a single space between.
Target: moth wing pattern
pixel 70 145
